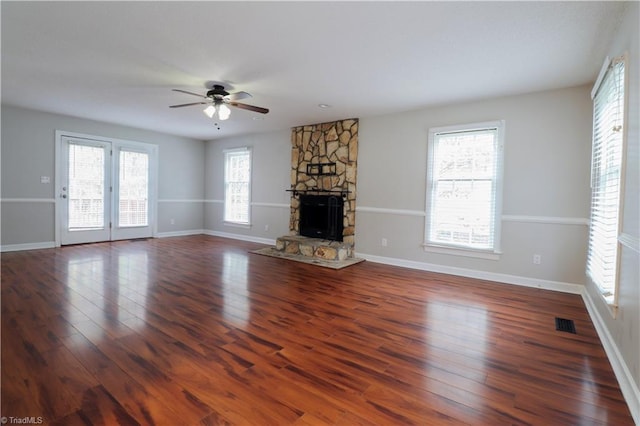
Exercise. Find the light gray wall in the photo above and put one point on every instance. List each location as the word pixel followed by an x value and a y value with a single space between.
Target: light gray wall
pixel 546 183
pixel 546 191
pixel 27 150
pixel 271 164
pixel 624 329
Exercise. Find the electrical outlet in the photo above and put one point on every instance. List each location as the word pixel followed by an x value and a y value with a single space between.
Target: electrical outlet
pixel 383 242
pixel 537 259
pixel 172 221
pixel 266 227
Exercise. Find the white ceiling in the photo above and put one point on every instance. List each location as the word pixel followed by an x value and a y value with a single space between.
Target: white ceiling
pixel 118 61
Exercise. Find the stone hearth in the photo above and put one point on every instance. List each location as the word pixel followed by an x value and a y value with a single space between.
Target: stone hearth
pixel 313 251
pixel 314 247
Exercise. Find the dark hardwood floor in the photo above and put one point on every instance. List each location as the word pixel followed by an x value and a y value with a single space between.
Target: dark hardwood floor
pixel 198 331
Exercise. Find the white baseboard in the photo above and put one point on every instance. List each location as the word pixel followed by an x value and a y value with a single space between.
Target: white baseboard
pixel 179 233
pixel 28 246
pixel 629 388
pixel 184 233
pixel 242 237
pixel 474 273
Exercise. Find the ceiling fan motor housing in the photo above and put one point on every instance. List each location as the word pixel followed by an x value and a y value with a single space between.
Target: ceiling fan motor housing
pixel 217 92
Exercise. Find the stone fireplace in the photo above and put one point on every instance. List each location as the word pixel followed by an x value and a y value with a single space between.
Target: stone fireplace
pixel 324 163
pixel 323 191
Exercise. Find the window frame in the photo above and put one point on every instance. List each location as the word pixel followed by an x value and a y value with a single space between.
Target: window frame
pixel 227 155
pixel 610 300
pixel 118 201
pixel 494 252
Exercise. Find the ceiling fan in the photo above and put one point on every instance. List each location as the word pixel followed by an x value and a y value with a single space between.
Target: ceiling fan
pixel 217 100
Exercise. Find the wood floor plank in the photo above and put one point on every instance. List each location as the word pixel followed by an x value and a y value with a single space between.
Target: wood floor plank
pixel 157 383
pixel 267 379
pixel 100 408
pixel 198 331
pixel 138 402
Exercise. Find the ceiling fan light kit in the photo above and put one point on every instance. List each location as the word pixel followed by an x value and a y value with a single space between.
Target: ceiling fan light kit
pixel 217 100
pixel 210 111
pixel 223 112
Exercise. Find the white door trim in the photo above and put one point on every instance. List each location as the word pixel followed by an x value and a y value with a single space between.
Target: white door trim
pixel 153 151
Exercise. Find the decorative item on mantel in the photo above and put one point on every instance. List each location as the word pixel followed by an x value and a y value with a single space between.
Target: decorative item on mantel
pixel 321 169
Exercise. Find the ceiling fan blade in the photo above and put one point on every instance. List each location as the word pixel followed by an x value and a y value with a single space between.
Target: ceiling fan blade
pixel 184 105
pixel 189 93
pixel 249 107
pixel 237 96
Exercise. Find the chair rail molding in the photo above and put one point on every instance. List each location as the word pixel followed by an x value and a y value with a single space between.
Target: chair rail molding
pixel 555 220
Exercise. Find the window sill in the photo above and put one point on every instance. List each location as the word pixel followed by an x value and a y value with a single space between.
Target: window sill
pixel 611 304
pixel 462 251
pixel 237 224
pixel 607 297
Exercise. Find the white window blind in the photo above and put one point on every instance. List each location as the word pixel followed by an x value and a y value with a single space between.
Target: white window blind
pixel 133 203
pixel 464 187
pixel 606 177
pixel 86 187
pixel 237 184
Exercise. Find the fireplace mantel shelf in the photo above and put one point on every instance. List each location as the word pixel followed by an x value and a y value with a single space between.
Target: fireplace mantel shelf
pixel 297 192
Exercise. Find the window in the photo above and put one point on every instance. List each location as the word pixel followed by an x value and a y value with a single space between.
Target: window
pixel 464 187
pixel 606 177
pixel 133 204
pixel 86 183
pixel 237 185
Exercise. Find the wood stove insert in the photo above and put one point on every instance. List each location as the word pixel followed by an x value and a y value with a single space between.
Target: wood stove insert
pixel 321 216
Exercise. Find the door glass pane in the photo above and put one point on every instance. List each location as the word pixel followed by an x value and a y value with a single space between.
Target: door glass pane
pixel 134 189
pixel 86 187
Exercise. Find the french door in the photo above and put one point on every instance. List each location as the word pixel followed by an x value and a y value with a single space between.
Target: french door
pixel 105 190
